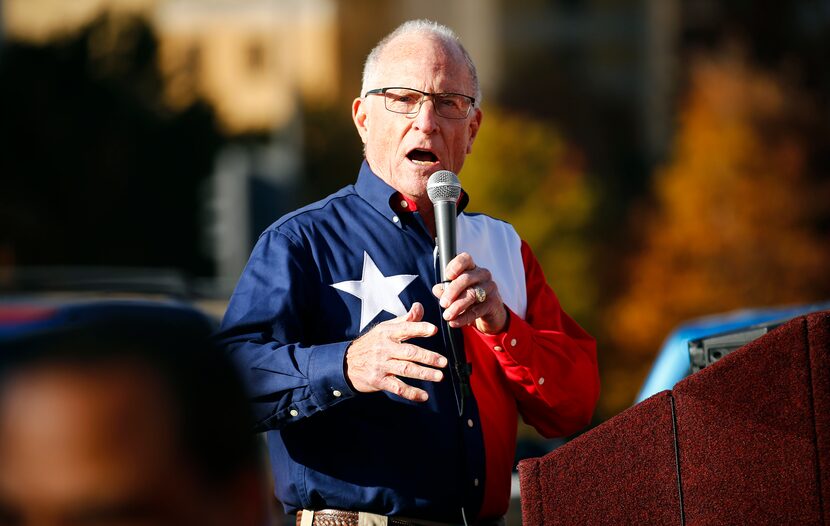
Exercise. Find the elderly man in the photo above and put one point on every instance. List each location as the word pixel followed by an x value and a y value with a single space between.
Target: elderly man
pixel 342 331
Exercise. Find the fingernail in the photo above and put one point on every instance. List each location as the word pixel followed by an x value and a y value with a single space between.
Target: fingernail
pixel 442 362
pixel 446 315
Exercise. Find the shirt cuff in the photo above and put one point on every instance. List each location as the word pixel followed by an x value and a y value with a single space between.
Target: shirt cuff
pixel 515 342
pixel 327 375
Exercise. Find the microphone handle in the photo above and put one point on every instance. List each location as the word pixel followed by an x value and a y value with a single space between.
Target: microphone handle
pixel 445 218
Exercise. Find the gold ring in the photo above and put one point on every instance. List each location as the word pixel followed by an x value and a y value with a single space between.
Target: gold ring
pixel 481 295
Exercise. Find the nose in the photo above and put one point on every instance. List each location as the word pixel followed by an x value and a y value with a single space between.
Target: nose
pixel 426 119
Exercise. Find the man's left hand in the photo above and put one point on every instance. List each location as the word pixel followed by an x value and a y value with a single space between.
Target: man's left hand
pixel 461 302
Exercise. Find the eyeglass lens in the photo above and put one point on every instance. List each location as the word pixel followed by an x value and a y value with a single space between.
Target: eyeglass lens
pixel 450 105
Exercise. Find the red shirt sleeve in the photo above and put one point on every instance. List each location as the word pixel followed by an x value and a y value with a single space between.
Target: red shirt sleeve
pixel 549 361
pixel 543 366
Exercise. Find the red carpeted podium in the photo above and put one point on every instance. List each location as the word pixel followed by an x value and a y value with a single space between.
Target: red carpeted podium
pixel 744 441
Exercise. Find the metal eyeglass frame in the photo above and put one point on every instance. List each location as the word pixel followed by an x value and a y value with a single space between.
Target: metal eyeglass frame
pixel 382 91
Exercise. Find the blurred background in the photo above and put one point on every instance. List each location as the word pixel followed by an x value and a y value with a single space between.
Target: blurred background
pixel 665 158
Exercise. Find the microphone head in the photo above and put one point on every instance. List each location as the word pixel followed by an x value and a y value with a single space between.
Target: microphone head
pixel 443 186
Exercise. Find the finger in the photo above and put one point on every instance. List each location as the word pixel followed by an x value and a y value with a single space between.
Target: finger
pixel 458 265
pixel 413 370
pixel 491 312
pixel 415 313
pixel 438 290
pixel 468 316
pixel 403 331
pixel 395 386
pixel 464 303
pixel 463 283
pixel 413 353
pixel 463 293
pixel 467 308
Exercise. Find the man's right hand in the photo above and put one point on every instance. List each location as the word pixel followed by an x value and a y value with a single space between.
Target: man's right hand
pixel 376 360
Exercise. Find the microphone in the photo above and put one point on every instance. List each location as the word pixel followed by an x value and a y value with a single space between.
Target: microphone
pixel 444 189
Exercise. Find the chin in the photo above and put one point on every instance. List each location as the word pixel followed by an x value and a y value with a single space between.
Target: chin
pixel 414 186
pixel 424 170
pixel 412 178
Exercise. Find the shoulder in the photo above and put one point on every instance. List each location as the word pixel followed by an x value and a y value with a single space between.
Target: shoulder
pixel 294 223
pixel 317 209
pixel 486 227
pixel 495 245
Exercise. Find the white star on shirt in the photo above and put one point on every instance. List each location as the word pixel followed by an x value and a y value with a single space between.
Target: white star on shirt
pixel 376 292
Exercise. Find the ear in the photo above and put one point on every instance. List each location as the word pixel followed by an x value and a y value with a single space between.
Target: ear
pixel 360 118
pixel 475 124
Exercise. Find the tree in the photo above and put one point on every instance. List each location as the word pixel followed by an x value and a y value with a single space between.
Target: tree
pixel 737 213
pixel 523 171
pixel 96 170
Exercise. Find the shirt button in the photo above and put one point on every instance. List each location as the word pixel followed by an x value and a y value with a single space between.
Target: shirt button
pixel 498 348
pixel 541 380
pixel 475 483
pixel 395 219
pixel 404 204
pixel 470 422
pixel 294 412
pixel 336 393
pixel 513 342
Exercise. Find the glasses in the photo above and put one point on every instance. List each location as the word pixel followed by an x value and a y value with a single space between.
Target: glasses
pixel 409 101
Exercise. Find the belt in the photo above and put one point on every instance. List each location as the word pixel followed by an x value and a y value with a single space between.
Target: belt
pixel 353 518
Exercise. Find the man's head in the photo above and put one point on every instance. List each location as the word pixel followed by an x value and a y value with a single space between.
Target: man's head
pixel 405 149
pixel 129 422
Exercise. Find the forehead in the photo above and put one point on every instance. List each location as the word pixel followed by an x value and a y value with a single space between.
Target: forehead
pixel 423 61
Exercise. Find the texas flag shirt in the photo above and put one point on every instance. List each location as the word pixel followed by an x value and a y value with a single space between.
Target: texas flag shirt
pixel 323 275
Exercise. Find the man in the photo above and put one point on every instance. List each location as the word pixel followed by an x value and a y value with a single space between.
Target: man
pixel 123 414
pixel 336 321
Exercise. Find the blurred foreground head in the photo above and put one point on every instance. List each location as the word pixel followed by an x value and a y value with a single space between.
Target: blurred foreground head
pixel 128 416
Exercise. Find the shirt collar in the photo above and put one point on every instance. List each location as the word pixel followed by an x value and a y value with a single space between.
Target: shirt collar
pixel 401 203
pixel 375 191
pixel 386 199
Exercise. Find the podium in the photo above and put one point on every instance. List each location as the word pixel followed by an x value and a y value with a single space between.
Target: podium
pixel 744 441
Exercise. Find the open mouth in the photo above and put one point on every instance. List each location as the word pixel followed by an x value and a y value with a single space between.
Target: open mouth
pixel 422 157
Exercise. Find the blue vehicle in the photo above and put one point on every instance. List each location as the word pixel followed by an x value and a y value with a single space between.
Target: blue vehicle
pixel 22 318
pixel 46 300
pixel 703 341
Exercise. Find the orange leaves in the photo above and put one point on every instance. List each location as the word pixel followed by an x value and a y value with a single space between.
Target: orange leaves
pixel 734 222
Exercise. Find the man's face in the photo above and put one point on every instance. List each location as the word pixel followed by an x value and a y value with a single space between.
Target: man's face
pixel 404 150
pixel 83 446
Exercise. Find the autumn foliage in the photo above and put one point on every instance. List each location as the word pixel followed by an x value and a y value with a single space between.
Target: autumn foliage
pixel 736 213
pixel 523 171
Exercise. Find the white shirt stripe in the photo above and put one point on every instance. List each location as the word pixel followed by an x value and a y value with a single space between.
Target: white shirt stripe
pixel 496 246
